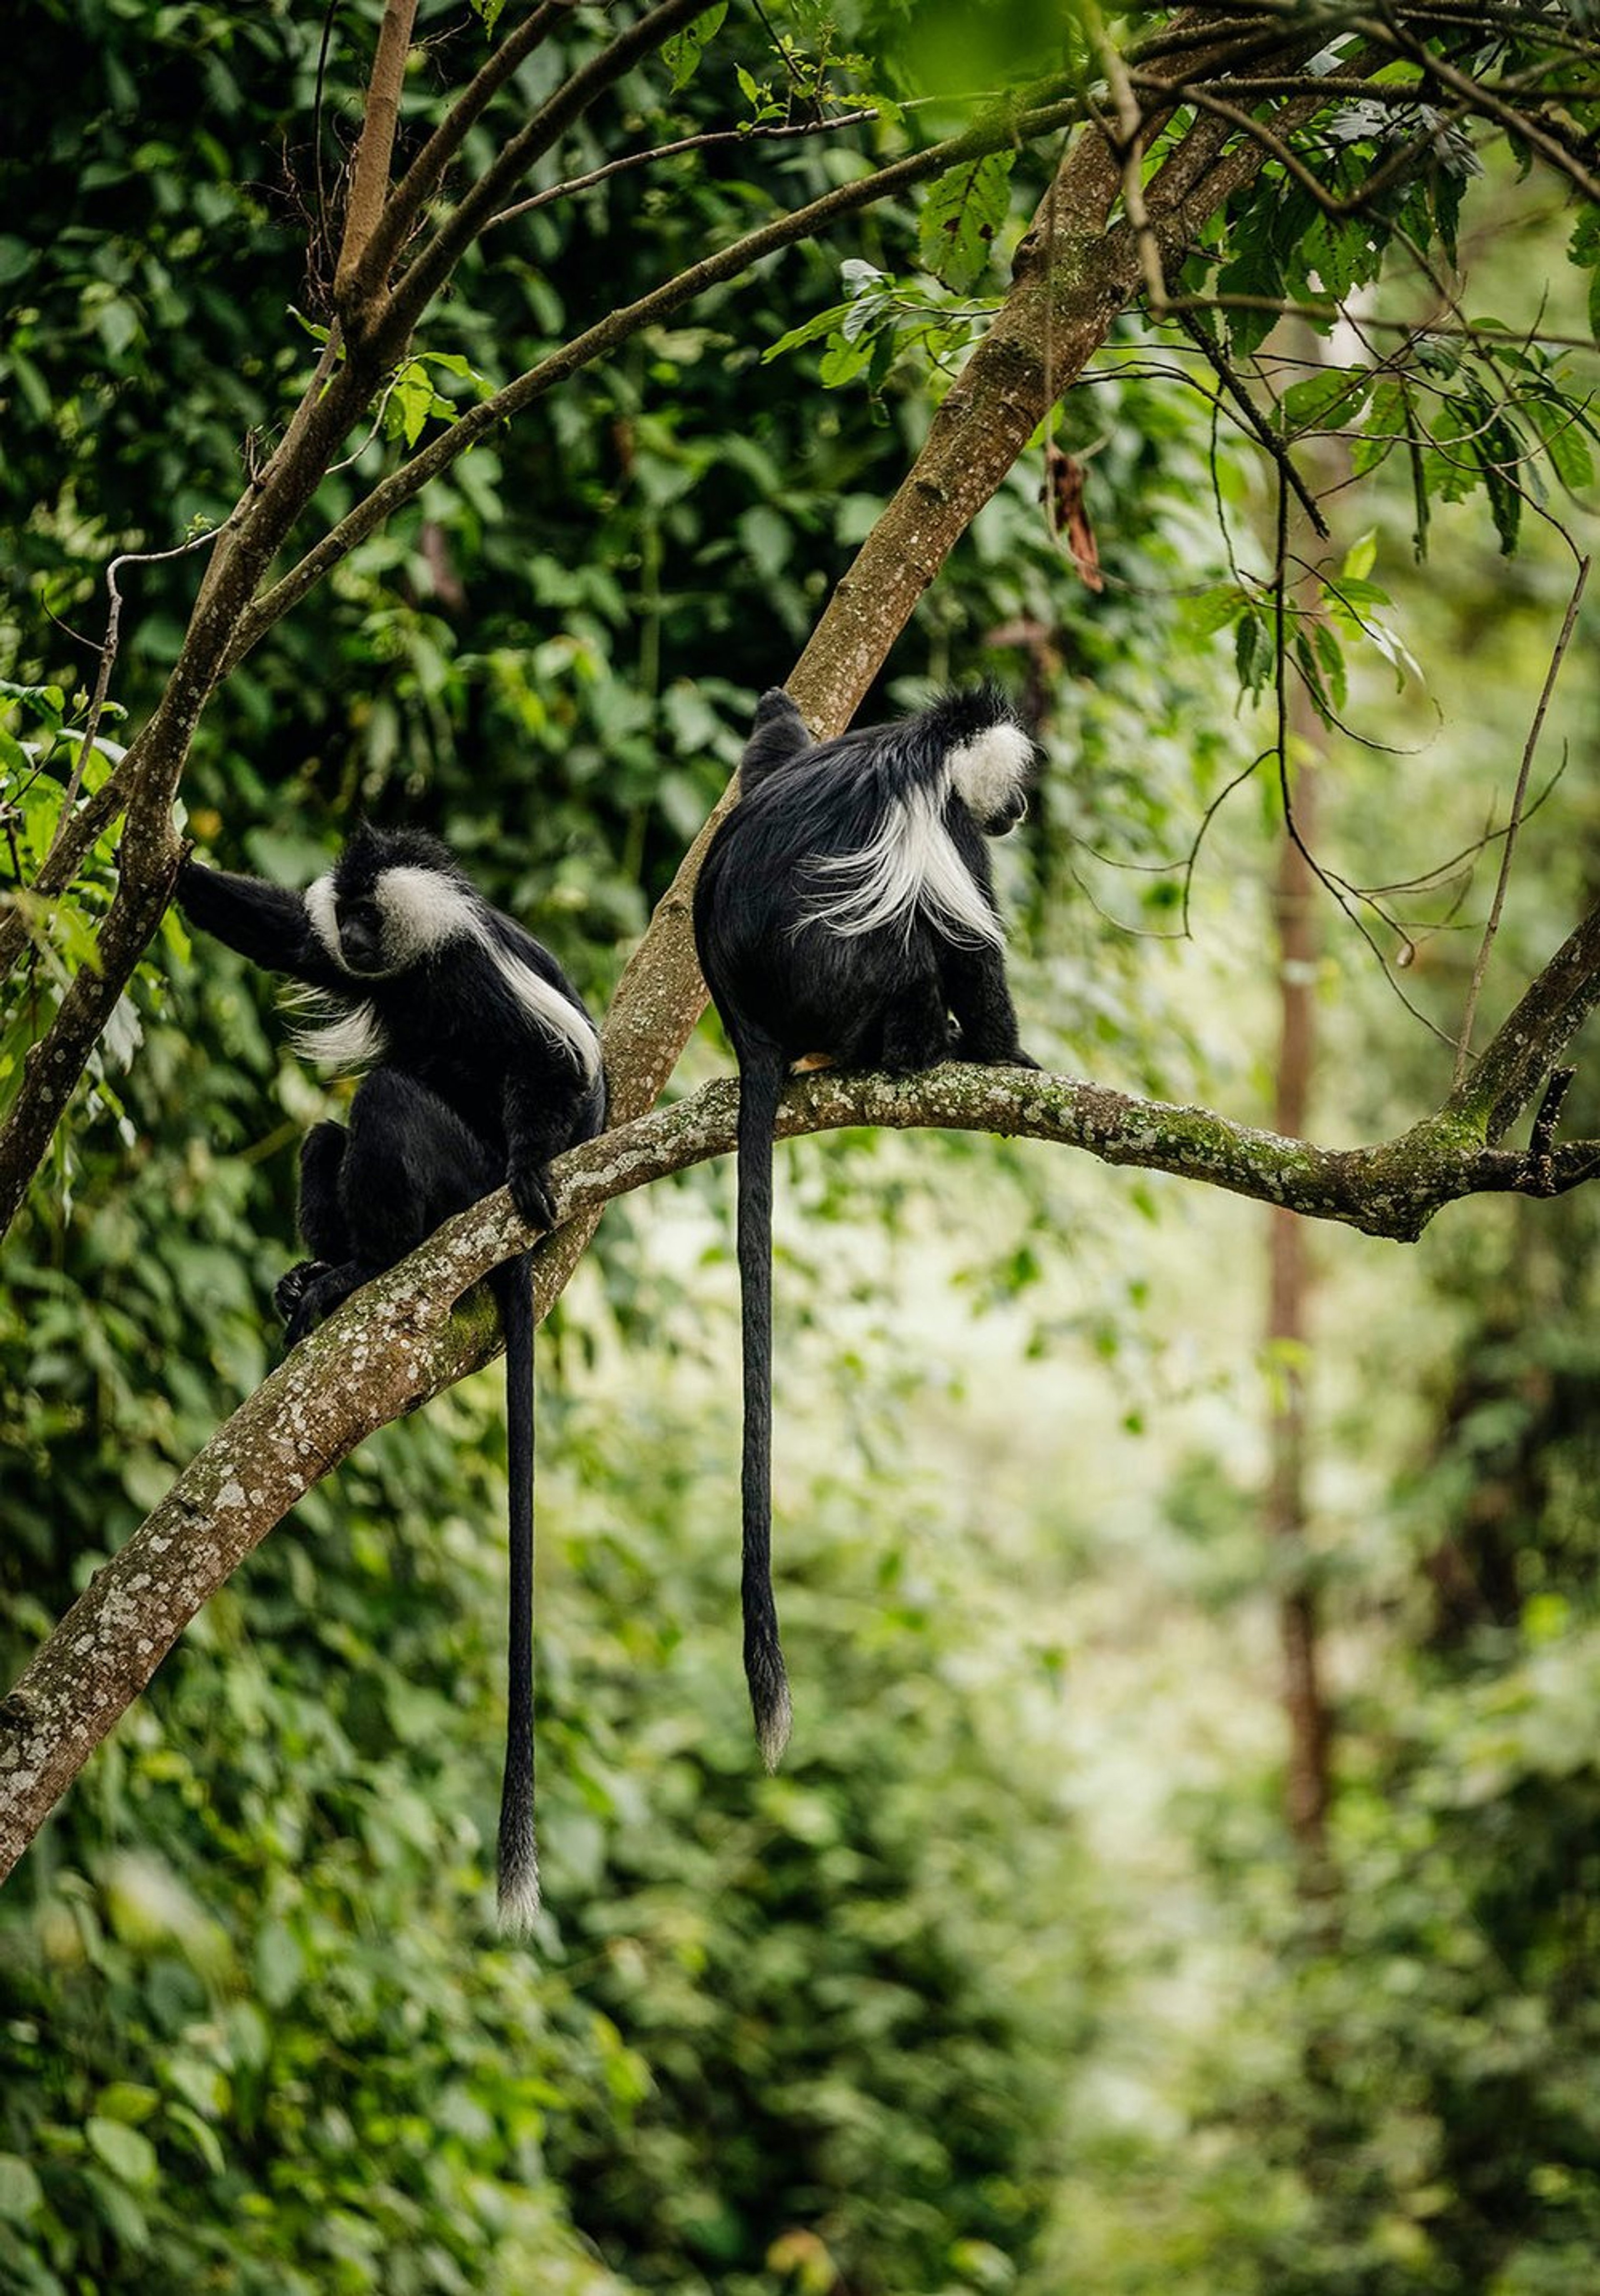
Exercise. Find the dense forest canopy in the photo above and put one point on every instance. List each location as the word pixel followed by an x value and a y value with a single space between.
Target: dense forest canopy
pixel 1183 1875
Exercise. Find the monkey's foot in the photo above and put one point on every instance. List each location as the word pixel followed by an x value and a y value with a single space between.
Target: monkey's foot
pixel 323 1289
pixel 293 1286
pixel 530 1193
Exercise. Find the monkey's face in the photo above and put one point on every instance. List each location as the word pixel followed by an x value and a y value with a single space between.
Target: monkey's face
pixel 361 933
pixel 1006 816
pixel 377 923
pixel 990 773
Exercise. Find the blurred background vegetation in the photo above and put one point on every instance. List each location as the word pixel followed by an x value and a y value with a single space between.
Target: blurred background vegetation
pixel 1011 1979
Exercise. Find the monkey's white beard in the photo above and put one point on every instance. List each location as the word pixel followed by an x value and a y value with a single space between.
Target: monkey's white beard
pixel 910 865
pixel 352 1039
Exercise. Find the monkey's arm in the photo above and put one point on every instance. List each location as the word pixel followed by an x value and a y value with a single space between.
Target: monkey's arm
pixel 778 734
pixel 978 995
pixel 266 924
pixel 539 1124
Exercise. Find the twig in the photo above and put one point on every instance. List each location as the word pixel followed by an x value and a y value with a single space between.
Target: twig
pixel 1127 148
pixel 1479 98
pixel 1400 164
pixel 1326 314
pixel 605 335
pixel 1464 1043
pixel 1232 382
pixel 108 655
pixel 711 138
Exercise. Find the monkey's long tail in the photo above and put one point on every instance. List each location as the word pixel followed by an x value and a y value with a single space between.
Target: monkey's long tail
pixel 519 1891
pixel 762 1071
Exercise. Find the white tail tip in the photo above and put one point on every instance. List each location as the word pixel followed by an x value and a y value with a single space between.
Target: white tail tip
pixel 518 1902
pixel 772 1734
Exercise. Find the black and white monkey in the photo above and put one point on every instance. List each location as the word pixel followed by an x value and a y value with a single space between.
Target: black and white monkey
pixel 482 1065
pixel 845 917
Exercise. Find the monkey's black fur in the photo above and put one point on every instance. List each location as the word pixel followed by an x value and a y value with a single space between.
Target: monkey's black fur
pixel 487 1066
pixel 845 915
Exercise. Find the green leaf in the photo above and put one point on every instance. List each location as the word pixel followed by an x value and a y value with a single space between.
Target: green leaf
pixel 682 53
pixel 1584 251
pixel 280 1965
pixel 20 2193
pixel 960 217
pixel 1252 652
pixel 1388 420
pixel 1498 451
pixel 1216 610
pixel 1329 654
pixel 129 2156
pixel 1361 556
pixel 46 703
pixel 200 2136
pixel 130 2101
pixel 1327 401
pixel 1559 424
pixel 810 330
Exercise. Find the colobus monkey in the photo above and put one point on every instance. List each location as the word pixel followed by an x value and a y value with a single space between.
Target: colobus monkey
pixel 482 1064
pixel 844 912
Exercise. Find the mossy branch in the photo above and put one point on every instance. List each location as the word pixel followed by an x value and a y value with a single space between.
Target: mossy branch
pixel 400 1341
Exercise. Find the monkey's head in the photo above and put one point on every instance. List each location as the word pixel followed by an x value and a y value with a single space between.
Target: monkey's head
pixel 989 760
pixel 394 897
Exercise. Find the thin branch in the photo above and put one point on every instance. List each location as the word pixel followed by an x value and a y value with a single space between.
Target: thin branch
pixel 108 656
pixel 405 202
pixel 1126 147
pixel 1256 421
pixel 436 259
pixel 1479 98
pixel 1399 164
pixel 772 134
pixel 1327 315
pixel 1464 1044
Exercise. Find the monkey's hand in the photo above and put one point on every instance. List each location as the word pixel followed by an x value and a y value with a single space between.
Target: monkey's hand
pixel 530 1185
pixel 293 1284
pixel 310 1291
pixel 775 702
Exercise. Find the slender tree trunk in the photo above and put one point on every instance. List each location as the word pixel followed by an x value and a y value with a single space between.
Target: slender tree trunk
pixel 1288 1333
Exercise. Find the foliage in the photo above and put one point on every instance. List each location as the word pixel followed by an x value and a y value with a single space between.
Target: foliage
pixel 254 2035
pixel 873 2024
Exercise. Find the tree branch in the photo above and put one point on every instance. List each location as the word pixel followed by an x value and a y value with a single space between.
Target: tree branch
pixel 369 179
pixel 406 202
pixel 437 259
pixel 396 1341
pixel 1464 1045
pixel 1532 1039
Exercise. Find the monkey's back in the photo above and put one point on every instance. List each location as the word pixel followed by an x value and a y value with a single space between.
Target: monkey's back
pixel 772 966
pixel 458 1027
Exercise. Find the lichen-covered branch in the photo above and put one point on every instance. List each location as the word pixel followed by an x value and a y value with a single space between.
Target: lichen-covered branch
pixel 397 1342
pixel 1531 1041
